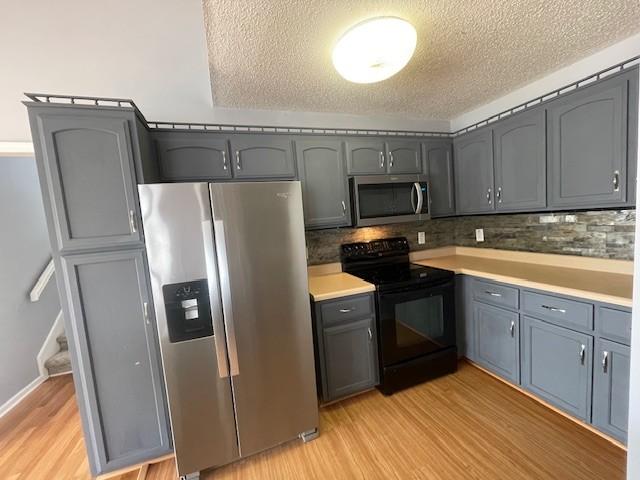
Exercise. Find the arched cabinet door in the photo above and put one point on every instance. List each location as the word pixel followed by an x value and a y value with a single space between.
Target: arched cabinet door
pixel 262 157
pixel 366 156
pixel 87 161
pixel 193 156
pixel 403 156
pixel 587 146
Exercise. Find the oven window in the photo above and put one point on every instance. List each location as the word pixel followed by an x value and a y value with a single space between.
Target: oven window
pixel 419 320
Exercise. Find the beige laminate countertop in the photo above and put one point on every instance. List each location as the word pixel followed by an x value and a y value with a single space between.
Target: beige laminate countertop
pixel 336 285
pixel 615 288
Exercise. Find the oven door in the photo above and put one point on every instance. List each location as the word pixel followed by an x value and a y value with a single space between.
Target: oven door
pixel 416 321
pixel 381 199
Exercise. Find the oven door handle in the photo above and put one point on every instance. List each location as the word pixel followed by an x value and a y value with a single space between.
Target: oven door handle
pixel 418 189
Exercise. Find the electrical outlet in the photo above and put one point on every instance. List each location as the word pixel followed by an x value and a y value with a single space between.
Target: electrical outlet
pixel 421 239
pixel 479 235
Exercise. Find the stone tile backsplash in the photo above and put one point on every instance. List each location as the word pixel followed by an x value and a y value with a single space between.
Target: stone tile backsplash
pixel 604 234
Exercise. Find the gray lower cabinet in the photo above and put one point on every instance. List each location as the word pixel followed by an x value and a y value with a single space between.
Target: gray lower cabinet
pixel 262 156
pixel 587 141
pixel 115 357
pixel 345 346
pixel 85 160
pixel 403 156
pixel 497 340
pixel 520 160
pixel 193 156
pixel 439 169
pixel 557 366
pixel 350 358
pixel 473 164
pixel 611 388
pixel 366 156
pixel 325 188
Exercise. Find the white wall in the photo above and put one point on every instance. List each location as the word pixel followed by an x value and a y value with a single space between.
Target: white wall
pixel 633 453
pixel 153 51
pixel 600 60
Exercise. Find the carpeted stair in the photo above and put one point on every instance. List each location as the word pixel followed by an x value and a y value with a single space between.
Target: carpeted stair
pixel 60 363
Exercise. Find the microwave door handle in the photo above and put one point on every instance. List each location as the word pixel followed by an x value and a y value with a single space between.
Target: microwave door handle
pixel 418 188
pixel 214 299
pixel 413 202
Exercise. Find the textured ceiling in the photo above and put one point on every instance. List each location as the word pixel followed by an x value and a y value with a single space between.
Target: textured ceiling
pixel 276 54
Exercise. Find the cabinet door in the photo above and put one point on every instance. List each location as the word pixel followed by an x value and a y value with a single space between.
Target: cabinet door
pixel 587 141
pixel 557 366
pixel 403 157
pixel 520 162
pixel 439 169
pixel 262 156
pixel 366 157
pixel 325 189
pixel 611 388
pixel 115 358
pixel 87 171
pixel 497 340
pixel 473 169
pixel 196 156
pixel 350 357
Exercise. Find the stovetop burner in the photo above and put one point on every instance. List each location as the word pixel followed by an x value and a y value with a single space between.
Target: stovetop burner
pixel 385 263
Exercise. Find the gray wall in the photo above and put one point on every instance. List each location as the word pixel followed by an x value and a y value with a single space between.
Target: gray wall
pixel 604 234
pixel 24 252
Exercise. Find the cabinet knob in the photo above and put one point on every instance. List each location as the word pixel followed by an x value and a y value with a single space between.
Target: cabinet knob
pixel 616 181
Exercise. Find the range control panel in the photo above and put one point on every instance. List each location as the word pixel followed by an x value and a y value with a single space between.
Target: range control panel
pixel 375 248
pixel 188 310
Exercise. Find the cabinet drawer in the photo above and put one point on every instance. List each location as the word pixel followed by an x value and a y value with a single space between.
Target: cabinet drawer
pixel 562 311
pixel 614 324
pixel 336 311
pixel 495 294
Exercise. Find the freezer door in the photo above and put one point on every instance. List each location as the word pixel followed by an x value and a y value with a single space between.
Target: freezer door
pixel 260 243
pixel 186 297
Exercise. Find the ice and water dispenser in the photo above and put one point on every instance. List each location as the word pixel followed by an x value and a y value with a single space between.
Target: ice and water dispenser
pixel 188 310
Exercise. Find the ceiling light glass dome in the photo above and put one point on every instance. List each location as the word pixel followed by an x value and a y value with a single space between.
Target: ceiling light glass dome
pixel 375 49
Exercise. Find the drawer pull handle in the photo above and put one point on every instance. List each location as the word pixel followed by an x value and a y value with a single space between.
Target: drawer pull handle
pixel 344 208
pixel 145 312
pixel 493 294
pixel 616 181
pixel 381 159
pixel 347 310
pixel 605 361
pixel 238 165
pixel 370 333
pixel 583 348
pixel 224 160
pixel 554 309
pixel 512 328
pixel 132 221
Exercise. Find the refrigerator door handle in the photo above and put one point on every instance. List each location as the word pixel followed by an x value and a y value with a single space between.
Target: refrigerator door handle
pixel 214 299
pixel 225 289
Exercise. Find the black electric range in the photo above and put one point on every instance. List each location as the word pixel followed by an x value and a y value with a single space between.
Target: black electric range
pixel 415 312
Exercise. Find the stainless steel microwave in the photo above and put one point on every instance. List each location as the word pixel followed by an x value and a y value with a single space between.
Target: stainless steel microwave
pixel 380 199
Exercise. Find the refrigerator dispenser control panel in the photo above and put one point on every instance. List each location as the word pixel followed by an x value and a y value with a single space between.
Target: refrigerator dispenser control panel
pixel 188 310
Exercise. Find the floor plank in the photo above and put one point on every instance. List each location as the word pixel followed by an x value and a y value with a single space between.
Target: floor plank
pixel 463 426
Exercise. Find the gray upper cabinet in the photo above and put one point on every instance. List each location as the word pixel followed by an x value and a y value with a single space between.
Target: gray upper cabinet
pixel 587 142
pixel 86 166
pixel 325 188
pixel 557 365
pixel 403 156
pixel 497 338
pixel 197 156
pixel 473 164
pixel 439 169
pixel 115 358
pixel 366 156
pixel 262 157
pixel 520 162
pixel 350 357
pixel 611 388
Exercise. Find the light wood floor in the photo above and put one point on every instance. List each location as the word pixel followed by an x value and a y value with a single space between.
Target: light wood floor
pixel 463 426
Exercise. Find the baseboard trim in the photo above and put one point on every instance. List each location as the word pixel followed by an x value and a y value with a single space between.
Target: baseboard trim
pixel 18 397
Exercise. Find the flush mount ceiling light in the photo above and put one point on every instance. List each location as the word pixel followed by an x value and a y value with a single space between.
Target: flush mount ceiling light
pixel 375 49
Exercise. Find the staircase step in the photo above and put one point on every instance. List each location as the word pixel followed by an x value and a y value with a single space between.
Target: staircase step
pixel 62 341
pixel 59 363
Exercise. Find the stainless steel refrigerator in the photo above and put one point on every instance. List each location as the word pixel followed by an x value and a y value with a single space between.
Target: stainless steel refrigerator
pixel 229 281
